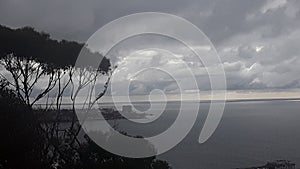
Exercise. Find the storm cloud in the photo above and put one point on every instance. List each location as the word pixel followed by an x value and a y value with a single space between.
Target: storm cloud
pixel 258 40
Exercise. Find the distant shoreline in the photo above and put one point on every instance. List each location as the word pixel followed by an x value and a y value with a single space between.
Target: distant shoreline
pixel 200 101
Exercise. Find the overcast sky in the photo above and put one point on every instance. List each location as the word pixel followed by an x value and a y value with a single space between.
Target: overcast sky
pixel 257 40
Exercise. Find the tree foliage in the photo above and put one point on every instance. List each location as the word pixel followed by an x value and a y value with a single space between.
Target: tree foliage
pixel 29 57
pixel 30 44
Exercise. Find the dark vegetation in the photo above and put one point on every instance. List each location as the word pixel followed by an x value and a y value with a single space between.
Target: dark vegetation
pixel 26 43
pixel 27 56
pixel 20 142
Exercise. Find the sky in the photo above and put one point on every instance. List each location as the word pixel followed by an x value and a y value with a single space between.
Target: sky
pixel 257 40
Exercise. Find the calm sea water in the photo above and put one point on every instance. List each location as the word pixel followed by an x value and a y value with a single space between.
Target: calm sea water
pixel 250 134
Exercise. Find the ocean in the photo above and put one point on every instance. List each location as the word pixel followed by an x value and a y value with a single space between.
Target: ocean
pixel 250 133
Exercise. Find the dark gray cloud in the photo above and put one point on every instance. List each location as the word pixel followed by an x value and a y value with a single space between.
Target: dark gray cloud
pixel 77 19
pixel 256 39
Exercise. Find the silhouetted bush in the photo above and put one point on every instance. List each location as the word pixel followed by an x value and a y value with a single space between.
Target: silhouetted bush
pixel 21 142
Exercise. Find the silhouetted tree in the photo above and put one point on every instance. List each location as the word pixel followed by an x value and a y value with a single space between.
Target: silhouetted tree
pixel 29 57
